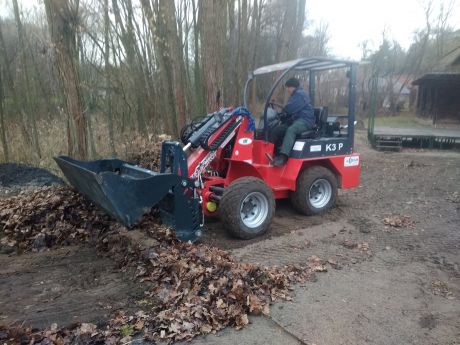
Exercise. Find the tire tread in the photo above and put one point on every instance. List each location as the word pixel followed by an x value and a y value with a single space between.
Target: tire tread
pixel 230 202
pixel 304 181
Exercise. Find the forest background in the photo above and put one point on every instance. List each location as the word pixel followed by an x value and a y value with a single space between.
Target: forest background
pixel 93 78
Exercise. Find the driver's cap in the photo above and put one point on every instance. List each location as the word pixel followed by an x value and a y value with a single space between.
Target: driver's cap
pixel 292 82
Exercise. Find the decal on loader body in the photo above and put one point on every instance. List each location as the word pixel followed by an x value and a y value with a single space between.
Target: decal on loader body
pixel 351 161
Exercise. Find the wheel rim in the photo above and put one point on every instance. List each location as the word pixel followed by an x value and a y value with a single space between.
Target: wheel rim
pixel 320 193
pixel 254 209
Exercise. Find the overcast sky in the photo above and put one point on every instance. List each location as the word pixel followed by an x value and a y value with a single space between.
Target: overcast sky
pixel 353 21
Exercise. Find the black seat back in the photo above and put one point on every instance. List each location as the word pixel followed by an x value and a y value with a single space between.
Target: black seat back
pixel 317 112
pixel 321 115
pixel 322 125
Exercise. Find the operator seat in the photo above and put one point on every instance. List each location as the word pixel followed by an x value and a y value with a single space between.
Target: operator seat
pixel 321 114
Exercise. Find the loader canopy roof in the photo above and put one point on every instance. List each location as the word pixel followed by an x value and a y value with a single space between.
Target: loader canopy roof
pixel 313 64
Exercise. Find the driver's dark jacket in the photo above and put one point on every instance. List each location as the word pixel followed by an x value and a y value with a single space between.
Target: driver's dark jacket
pixel 299 107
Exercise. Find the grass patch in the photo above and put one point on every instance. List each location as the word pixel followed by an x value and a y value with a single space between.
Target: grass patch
pixel 402 121
pixel 126 330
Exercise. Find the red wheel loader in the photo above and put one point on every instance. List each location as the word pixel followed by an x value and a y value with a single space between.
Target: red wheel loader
pixel 224 166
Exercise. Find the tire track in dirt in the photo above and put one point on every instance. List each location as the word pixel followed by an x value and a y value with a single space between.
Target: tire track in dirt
pixel 62 286
pixel 324 241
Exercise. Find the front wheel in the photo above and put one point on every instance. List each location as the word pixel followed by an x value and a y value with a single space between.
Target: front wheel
pixel 247 207
pixel 316 191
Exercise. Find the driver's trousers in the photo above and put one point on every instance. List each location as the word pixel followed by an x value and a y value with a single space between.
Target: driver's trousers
pixel 290 132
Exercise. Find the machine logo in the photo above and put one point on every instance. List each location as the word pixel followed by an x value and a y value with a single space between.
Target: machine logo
pixel 351 161
pixel 245 141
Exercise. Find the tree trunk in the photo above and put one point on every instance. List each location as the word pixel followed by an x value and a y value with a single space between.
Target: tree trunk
pixel 176 57
pixel 214 23
pixel 255 31
pixel 243 50
pixel 166 92
pixel 6 155
pixel 200 109
pixel 60 19
pixel 108 86
pixel 18 106
pixel 26 81
pixel 184 43
pixel 232 52
pixel 291 31
pixel 128 41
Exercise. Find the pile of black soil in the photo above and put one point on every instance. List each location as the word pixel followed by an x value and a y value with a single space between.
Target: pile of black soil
pixel 18 176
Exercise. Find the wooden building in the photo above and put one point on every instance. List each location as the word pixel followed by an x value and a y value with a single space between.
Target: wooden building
pixel 438 95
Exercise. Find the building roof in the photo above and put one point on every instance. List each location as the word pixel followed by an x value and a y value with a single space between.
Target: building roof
pixel 453 77
pixel 450 59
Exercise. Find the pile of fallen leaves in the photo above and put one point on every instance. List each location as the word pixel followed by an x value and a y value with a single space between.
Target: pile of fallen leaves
pixel 397 221
pixel 78 334
pixel 48 216
pixel 202 289
pixel 193 289
pixel 198 289
pixel 146 155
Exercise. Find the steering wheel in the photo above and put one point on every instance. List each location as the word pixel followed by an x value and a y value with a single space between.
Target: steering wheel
pixel 280 113
pixel 276 106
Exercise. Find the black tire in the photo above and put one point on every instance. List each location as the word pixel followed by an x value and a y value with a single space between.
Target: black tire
pixel 315 179
pixel 261 201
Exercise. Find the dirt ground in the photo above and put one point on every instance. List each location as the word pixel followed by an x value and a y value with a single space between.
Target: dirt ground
pixel 18 177
pixel 63 286
pixel 389 285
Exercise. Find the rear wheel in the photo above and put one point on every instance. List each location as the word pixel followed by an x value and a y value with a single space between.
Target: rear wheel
pixel 247 207
pixel 316 191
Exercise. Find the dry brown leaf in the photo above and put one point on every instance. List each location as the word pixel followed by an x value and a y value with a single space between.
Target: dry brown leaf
pixel 255 304
pixel 398 221
pixel 87 328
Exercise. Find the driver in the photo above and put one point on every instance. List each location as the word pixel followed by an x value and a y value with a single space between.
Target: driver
pixel 298 117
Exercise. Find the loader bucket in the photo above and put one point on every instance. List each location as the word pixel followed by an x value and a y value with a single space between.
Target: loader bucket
pixel 127 192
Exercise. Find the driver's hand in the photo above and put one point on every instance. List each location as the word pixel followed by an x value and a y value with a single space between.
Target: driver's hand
pixel 285 118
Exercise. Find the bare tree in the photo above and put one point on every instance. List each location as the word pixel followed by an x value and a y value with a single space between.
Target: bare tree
pixel 61 20
pixel 213 28
pixel 176 57
pixel 291 30
pixel 316 44
pixel 6 155
pixel 163 63
pixel 441 26
pixel 18 106
pixel 26 79
pixel 108 86
pixel 128 40
pixel 197 75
